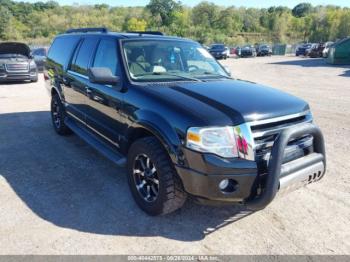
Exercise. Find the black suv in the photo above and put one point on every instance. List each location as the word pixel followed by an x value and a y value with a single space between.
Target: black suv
pixel 167 110
pixel 219 51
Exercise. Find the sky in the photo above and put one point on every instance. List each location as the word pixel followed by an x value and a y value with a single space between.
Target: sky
pixel 246 3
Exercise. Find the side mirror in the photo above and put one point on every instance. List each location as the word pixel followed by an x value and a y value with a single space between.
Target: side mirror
pixel 102 75
pixel 227 70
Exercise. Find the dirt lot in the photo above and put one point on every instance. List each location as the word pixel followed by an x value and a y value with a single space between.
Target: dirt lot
pixel 58 196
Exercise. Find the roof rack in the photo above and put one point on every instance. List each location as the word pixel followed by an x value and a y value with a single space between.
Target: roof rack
pixel 146 32
pixel 87 30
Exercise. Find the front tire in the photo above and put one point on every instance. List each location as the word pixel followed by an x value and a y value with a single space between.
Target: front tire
pixel 35 79
pixel 58 114
pixel 152 178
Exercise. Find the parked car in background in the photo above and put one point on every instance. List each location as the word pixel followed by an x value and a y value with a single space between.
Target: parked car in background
pixel 219 51
pixel 165 109
pixel 263 50
pixel 303 49
pixel 238 51
pixel 39 55
pixel 16 63
pixel 315 50
pixel 232 51
pixel 248 51
pixel 325 51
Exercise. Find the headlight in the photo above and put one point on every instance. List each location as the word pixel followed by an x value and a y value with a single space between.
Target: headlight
pixel 217 140
pixel 2 66
pixel 32 64
pixel 227 142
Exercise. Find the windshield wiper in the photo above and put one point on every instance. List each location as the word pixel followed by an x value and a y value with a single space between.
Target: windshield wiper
pixel 216 74
pixel 171 74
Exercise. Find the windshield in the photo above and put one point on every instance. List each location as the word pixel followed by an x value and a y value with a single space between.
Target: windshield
pixel 162 60
pixel 217 47
pixel 39 52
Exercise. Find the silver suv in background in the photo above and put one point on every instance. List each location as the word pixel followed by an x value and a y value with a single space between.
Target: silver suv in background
pixel 16 63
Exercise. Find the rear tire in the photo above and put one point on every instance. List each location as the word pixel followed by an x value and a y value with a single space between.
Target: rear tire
pixel 152 178
pixel 58 114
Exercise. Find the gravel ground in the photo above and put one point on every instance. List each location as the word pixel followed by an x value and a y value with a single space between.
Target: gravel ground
pixel 58 196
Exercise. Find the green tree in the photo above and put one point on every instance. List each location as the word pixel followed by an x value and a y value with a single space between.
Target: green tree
pixel 5 17
pixel 135 24
pixel 302 10
pixel 165 9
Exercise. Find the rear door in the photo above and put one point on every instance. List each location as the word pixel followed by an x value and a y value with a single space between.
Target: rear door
pixel 105 101
pixel 77 79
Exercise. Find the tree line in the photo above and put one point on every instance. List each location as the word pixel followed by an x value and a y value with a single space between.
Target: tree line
pixel 206 22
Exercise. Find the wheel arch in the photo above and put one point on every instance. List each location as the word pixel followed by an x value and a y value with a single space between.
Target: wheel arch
pixel 152 124
pixel 56 89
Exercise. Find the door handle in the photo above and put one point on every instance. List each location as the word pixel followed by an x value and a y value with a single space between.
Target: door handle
pixel 98 98
pixel 88 90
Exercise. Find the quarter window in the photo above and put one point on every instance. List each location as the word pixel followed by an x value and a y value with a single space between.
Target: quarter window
pixel 62 49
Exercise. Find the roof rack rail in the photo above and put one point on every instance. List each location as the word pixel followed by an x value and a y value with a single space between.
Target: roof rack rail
pixel 87 30
pixel 146 32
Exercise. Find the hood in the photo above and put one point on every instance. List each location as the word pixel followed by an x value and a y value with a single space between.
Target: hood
pixel 14 48
pixel 236 100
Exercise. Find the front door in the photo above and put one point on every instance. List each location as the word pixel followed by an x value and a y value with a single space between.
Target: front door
pixel 104 101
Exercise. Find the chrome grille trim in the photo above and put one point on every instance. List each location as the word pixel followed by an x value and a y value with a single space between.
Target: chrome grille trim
pixel 264 137
pixel 278 119
pixel 17 68
pixel 278 128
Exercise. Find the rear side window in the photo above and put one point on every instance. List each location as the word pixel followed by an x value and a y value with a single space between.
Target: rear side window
pixel 81 60
pixel 61 49
pixel 106 55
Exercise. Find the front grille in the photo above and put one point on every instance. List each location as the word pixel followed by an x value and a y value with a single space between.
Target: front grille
pixel 265 132
pixel 23 67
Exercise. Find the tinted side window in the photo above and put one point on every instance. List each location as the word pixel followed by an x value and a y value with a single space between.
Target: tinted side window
pixel 106 55
pixel 81 63
pixel 61 49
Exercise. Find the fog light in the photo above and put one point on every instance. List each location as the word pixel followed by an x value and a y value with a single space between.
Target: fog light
pixel 228 185
pixel 223 184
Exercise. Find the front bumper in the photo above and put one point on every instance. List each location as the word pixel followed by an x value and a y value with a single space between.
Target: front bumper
pixel 300 52
pixel 219 55
pixel 12 77
pixel 264 53
pixel 201 179
pixel 245 54
pixel 208 171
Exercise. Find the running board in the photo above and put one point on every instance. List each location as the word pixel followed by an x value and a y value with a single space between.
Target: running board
pixel 96 142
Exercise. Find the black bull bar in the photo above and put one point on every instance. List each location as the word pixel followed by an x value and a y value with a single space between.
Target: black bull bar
pixel 300 171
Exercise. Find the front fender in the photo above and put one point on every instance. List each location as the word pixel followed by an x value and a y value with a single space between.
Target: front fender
pixel 162 129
